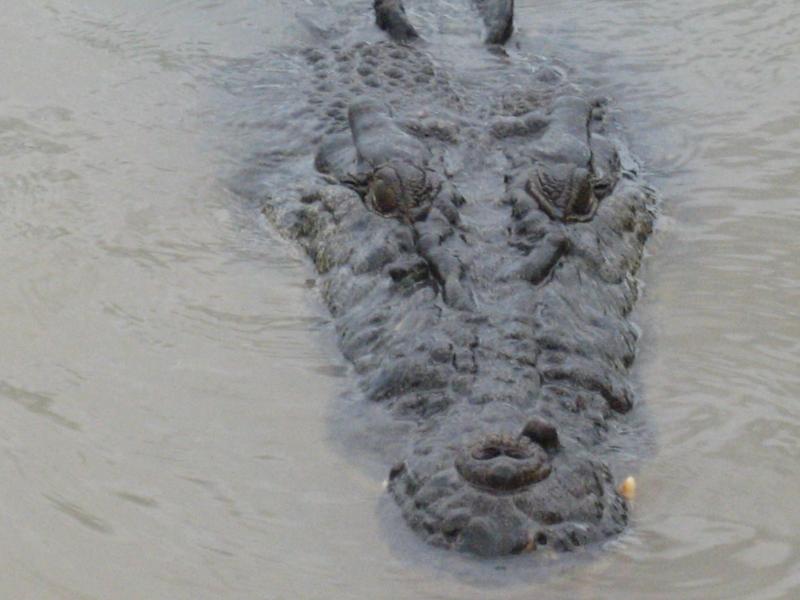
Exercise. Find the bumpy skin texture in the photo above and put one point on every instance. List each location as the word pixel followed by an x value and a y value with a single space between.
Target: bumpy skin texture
pixel 478 258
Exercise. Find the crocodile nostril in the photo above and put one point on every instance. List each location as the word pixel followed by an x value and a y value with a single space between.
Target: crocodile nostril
pixel 516 453
pixel 503 464
pixel 496 446
pixel 486 452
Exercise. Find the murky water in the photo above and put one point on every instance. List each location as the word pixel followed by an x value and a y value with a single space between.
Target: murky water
pixel 166 382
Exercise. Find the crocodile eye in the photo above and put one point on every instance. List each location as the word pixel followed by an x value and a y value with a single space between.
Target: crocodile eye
pixel 583 201
pixel 385 191
pixel 384 196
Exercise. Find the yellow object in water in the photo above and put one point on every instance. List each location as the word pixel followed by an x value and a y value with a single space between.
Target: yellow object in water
pixel 628 488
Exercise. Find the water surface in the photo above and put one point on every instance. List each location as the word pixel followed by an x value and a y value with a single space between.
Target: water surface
pixel 168 380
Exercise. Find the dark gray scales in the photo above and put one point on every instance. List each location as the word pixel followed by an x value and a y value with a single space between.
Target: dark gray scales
pixel 476 246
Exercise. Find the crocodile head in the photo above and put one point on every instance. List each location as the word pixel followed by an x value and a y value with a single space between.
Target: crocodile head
pixel 455 325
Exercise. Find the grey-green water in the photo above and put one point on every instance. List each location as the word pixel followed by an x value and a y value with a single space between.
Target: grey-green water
pixel 166 379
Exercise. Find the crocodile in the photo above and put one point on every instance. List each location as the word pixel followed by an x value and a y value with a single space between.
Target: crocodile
pixel 476 243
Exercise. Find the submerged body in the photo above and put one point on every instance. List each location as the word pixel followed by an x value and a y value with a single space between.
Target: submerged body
pixel 477 252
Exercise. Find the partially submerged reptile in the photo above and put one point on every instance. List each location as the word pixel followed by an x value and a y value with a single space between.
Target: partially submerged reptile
pixel 476 246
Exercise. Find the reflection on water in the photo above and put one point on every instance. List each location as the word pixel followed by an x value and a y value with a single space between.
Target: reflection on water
pixel 166 378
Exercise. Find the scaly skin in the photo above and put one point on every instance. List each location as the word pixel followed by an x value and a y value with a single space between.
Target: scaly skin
pixel 478 259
